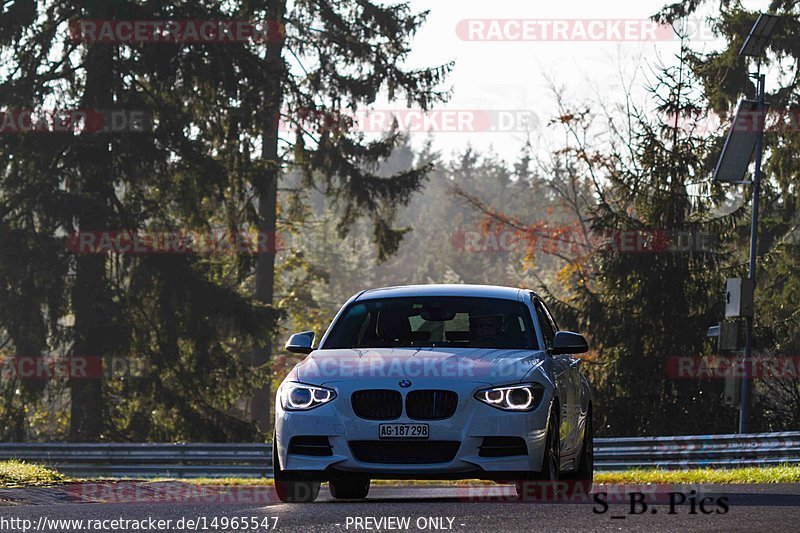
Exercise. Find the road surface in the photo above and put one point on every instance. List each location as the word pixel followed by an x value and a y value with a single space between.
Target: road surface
pixel 724 508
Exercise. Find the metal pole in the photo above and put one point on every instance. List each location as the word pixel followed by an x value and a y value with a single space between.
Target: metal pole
pixel 748 346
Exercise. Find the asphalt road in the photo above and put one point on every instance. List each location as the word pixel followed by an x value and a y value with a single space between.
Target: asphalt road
pixel 749 508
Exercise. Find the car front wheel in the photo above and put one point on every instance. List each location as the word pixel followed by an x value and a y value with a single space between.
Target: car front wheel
pixel 545 480
pixel 584 475
pixel 291 491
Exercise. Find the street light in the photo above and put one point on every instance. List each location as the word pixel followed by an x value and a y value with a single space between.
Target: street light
pixel 753 46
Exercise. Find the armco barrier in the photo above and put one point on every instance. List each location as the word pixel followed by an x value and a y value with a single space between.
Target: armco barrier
pixel 255 460
pixel 147 459
pixel 716 451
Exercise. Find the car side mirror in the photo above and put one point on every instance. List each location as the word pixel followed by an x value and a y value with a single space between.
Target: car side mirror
pixel 569 342
pixel 300 342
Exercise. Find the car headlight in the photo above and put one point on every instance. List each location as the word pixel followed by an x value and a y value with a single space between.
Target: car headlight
pixel 301 397
pixel 514 397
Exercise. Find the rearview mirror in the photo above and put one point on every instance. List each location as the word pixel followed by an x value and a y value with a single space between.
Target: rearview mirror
pixel 436 313
pixel 569 342
pixel 300 342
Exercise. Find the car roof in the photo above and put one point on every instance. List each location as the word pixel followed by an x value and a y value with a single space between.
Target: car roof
pixel 444 289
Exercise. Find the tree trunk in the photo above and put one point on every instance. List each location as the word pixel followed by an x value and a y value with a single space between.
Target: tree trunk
pixel 267 210
pixel 91 302
pixel 29 335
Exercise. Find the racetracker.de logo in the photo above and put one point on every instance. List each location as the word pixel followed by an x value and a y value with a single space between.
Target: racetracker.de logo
pixel 412 120
pixel 189 31
pixel 774 121
pixel 374 364
pixel 770 367
pixel 36 368
pixel 568 239
pixel 132 242
pixel 579 30
pixel 171 492
pixel 575 491
pixel 75 121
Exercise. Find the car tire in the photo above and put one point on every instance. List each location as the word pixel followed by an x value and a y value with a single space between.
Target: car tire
pixel 288 490
pixel 584 475
pixel 541 483
pixel 297 491
pixel 350 487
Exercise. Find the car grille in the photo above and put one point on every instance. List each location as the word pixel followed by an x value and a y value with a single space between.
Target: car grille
pixel 502 447
pixel 377 404
pixel 310 445
pixel 431 404
pixel 404 452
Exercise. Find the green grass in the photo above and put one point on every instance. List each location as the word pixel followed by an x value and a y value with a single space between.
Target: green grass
pixel 226 481
pixel 769 474
pixel 234 481
pixel 19 474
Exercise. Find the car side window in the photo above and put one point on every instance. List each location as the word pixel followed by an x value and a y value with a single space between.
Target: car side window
pixel 550 318
pixel 544 322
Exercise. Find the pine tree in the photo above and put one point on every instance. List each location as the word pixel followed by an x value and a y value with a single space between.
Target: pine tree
pixel 725 80
pixel 335 59
pixel 183 319
pixel 216 156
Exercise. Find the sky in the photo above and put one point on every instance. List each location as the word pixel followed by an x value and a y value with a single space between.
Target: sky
pixel 509 53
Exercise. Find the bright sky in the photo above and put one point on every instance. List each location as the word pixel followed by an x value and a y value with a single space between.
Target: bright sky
pixel 501 82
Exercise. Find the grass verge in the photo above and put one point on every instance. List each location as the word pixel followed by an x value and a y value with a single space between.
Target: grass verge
pixel 19 474
pixel 768 474
pixel 771 474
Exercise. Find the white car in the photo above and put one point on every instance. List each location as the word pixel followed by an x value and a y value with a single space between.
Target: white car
pixel 433 382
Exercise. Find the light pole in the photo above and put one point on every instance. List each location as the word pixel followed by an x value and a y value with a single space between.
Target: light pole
pixel 754 47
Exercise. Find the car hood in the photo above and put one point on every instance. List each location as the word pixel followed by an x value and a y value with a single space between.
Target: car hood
pixel 492 366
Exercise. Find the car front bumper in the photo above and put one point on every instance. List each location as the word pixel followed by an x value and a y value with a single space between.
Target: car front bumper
pixel 472 421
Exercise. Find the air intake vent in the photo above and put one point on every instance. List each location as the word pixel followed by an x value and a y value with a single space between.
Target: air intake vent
pixel 431 404
pixel 377 404
pixel 310 445
pixel 502 447
pixel 404 452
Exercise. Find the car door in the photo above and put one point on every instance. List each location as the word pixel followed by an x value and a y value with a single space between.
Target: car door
pixel 562 378
pixel 571 423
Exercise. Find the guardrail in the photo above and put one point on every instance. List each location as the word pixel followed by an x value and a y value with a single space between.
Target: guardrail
pixel 697 451
pixel 255 460
pixel 147 459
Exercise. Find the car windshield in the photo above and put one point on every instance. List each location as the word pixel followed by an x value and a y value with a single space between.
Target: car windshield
pixel 459 322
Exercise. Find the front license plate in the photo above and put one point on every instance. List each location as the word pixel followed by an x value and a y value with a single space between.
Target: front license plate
pixel 403 431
